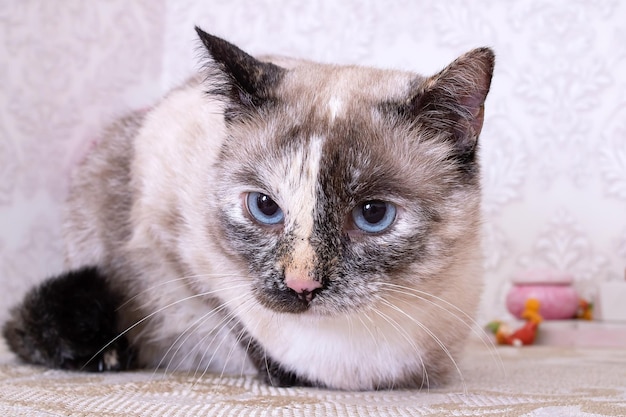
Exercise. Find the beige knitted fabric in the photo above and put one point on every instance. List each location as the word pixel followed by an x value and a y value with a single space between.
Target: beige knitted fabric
pixel 530 381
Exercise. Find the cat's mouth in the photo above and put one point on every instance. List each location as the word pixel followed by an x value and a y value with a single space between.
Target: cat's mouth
pixel 288 300
pixel 322 301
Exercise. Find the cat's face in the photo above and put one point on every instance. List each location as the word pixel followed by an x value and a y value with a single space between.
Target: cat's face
pixel 337 182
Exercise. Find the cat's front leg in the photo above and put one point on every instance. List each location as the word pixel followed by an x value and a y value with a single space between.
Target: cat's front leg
pixel 69 322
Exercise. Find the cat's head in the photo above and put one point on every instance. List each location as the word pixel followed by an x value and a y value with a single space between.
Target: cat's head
pixel 336 182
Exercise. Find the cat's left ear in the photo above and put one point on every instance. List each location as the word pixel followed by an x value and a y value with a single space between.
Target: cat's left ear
pixel 452 101
pixel 247 82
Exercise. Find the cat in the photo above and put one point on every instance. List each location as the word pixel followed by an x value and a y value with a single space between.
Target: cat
pixel 317 224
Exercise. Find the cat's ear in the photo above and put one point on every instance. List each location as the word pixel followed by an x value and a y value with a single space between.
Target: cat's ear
pixel 452 101
pixel 246 81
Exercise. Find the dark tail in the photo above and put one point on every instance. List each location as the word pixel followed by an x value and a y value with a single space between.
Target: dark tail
pixel 66 322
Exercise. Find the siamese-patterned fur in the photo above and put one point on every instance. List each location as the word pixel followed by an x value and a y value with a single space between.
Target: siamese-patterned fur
pixel 318 224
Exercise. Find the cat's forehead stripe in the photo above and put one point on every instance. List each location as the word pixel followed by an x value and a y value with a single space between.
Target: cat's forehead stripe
pixel 303 170
pixel 299 196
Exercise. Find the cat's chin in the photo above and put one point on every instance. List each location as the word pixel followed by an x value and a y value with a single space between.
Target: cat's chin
pixel 285 305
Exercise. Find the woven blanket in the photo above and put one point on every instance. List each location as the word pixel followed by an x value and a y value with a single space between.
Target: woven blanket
pixel 528 381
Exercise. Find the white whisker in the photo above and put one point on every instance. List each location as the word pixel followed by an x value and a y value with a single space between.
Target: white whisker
pixel 171 281
pixel 471 323
pixel 237 343
pixel 406 337
pixel 223 324
pixel 247 349
pixel 433 336
pixel 149 316
pixel 374 338
pixel 187 333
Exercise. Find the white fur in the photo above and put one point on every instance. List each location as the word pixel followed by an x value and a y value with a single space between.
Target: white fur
pixel 358 356
pixel 335 106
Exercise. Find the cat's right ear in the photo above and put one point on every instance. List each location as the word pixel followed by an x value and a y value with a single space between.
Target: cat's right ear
pixel 243 80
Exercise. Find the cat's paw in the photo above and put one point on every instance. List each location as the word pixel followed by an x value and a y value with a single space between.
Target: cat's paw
pixel 69 322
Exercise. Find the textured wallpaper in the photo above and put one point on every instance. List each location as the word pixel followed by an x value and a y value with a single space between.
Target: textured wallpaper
pixel 553 145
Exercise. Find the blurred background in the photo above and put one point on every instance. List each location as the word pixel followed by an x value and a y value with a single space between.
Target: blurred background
pixel 553 145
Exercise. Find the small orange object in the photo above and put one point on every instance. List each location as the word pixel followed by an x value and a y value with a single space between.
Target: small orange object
pixel 531 311
pixel 525 335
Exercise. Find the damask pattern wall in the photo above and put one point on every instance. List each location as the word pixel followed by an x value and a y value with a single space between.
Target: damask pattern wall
pixel 553 145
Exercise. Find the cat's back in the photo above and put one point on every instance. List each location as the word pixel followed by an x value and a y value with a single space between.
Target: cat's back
pixel 134 161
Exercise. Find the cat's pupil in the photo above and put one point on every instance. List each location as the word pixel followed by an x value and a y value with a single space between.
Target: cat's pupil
pixel 266 205
pixel 374 211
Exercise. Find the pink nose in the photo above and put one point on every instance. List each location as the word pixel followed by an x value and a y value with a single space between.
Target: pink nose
pixel 301 282
pixel 303 285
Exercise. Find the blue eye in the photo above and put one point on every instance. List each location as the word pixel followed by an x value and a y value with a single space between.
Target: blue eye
pixel 263 209
pixel 374 216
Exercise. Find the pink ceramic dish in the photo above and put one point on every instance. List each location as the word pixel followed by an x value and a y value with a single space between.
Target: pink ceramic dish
pixel 559 300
